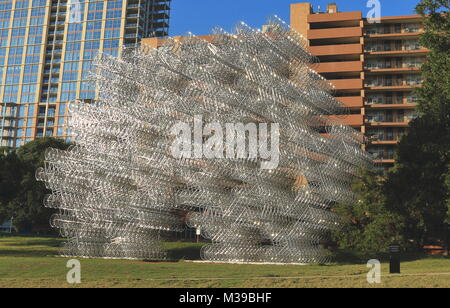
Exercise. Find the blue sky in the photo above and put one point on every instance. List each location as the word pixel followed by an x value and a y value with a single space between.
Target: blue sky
pixel 199 16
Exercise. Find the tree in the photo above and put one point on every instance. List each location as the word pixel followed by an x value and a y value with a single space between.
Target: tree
pixel 416 187
pixel 22 196
pixel 367 225
pixel 447 184
pixel 434 95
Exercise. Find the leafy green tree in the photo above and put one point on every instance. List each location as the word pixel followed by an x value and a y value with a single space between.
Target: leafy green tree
pixel 434 95
pixel 368 226
pixel 447 184
pixel 22 196
pixel 416 187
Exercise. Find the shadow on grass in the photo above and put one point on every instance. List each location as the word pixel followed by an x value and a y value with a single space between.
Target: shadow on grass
pixel 45 242
pixel 27 254
pixel 185 253
pixel 346 257
pixel 188 251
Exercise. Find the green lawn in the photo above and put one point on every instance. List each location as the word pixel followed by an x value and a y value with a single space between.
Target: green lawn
pixel 30 262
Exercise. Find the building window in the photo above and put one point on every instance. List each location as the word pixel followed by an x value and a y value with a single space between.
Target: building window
pixel 73 51
pixel 30 112
pixel 37 3
pixel 15 55
pixel 93 30
pixel 87 90
pixel 74 32
pixel 6 5
pixel 20 18
pixel 17 37
pixel 37 17
pixel 35 35
pixel 30 73
pixel 91 49
pixel 70 71
pixel 22 4
pixel 111 47
pixel 68 91
pixel 10 95
pixel 4 38
pixel 13 74
pixel 28 93
pixel 95 11
pixel 33 54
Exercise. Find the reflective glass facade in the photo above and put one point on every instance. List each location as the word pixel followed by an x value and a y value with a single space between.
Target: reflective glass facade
pixel 46 51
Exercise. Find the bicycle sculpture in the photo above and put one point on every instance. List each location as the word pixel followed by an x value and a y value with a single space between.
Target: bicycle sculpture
pixel 119 189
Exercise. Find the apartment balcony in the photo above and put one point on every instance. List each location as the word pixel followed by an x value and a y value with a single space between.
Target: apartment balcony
pixel 132 16
pixel 384 139
pixel 8 124
pixel 133 35
pixel 404 50
pixel 392 122
pixel 336 50
pixel 347 84
pixel 393 85
pixel 335 33
pixel 160 7
pixel 345 16
pixel 353 120
pixel 384 161
pixel 336 67
pixel 135 6
pixel 391 106
pixel 382 67
pixel 384 142
pixel 351 101
pixel 394 69
pixel 7 134
pixel 9 114
pixel 160 15
pixel 395 30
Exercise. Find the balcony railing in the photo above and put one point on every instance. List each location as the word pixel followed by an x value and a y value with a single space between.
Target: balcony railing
pixel 404 29
pixel 381 65
pixel 393 83
pixel 7 123
pixel 382 155
pixel 382 119
pixel 7 134
pixel 9 114
pixel 384 137
pixel 385 101
pixel 381 48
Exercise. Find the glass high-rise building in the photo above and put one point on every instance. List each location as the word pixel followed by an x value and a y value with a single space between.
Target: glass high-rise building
pixel 46 51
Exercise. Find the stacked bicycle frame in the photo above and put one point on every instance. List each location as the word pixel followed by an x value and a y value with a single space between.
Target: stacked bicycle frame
pixel 120 188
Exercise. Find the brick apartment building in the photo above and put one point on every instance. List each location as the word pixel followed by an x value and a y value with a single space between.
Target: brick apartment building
pixel 374 66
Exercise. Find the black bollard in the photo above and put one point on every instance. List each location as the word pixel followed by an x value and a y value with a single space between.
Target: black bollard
pixel 394 264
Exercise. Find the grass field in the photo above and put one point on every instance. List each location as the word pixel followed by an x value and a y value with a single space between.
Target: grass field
pixel 30 262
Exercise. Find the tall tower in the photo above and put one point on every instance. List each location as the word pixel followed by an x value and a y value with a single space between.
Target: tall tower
pixel 46 51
